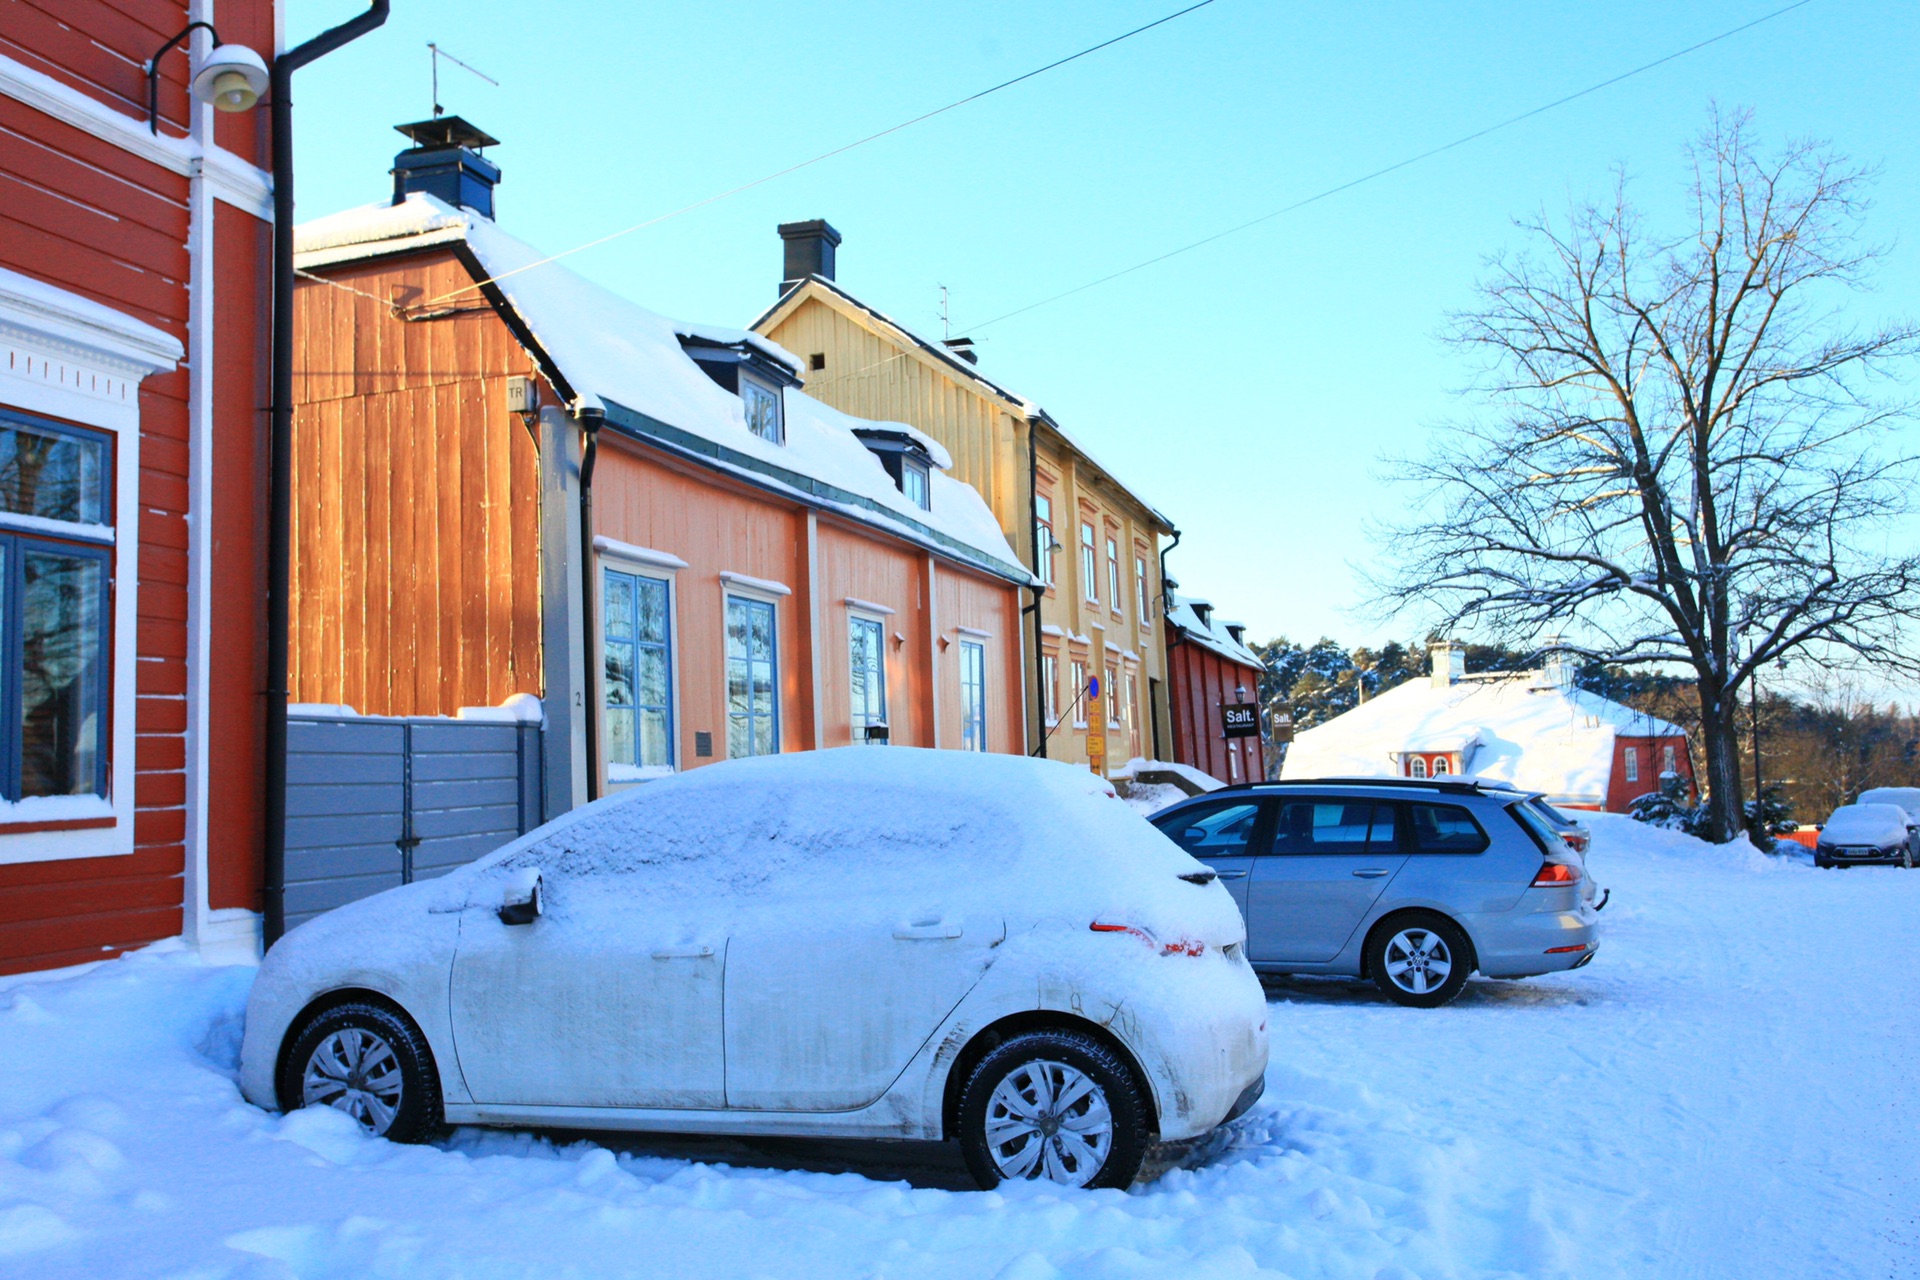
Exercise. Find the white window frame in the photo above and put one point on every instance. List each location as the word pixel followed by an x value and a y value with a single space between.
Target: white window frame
pixel 1077 669
pixel 1089 563
pixel 662 566
pixel 1050 688
pixel 779 399
pixel 1669 759
pixel 1117 600
pixel 1632 762
pixel 1145 602
pixel 1441 769
pixel 752 591
pixel 973 717
pixel 1043 536
pixel 864 614
pixel 1416 766
pixel 69 358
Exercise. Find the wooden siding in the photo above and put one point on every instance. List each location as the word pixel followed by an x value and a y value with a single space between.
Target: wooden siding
pixel 83 215
pixel 416 585
pixel 1621 793
pixel 967 600
pixel 716 527
pixel 1199 681
pixel 854 566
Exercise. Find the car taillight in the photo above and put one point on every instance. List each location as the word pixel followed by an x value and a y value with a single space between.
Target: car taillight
pixel 1179 947
pixel 1556 873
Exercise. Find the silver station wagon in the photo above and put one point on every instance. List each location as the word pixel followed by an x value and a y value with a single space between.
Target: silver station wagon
pixel 1412 883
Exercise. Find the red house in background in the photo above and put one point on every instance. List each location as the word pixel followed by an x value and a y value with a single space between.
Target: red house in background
pixel 134 295
pixel 1213 691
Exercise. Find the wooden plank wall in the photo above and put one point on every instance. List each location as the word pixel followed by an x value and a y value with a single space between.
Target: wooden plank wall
pixel 81 214
pixel 416 586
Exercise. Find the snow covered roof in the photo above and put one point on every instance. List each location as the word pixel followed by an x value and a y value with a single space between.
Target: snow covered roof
pixel 964 369
pixel 1524 729
pixel 613 355
pixel 1192 617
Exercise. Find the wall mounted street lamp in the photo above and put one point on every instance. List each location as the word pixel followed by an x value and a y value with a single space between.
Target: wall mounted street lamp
pixel 231 77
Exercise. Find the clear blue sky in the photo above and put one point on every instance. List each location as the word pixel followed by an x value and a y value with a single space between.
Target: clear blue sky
pixel 1249 388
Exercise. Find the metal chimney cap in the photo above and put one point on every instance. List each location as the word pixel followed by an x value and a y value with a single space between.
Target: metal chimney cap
pixel 446 131
pixel 813 228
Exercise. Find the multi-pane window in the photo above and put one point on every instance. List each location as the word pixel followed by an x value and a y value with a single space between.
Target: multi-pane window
pixel 1089 564
pixel 639 677
pixel 1079 670
pixel 1417 767
pixel 914 481
pixel 753 720
pixel 1113 576
pixel 1440 767
pixel 1133 714
pixel 1050 687
pixel 973 696
pixel 1110 699
pixel 55 615
pixel 866 644
pixel 1043 537
pixel 762 406
pixel 1633 764
pixel 1140 600
pixel 1666 759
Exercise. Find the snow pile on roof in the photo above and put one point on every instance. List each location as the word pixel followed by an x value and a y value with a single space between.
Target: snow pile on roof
pixel 1193 618
pixel 967 834
pixel 1523 729
pixel 615 354
pixel 1881 825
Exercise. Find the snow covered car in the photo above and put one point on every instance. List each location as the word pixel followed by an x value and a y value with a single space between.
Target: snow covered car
pixel 1907 798
pixel 1858 833
pixel 1414 883
pixel 882 943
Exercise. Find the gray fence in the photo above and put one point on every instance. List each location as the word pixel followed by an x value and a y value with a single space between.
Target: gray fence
pixel 373 803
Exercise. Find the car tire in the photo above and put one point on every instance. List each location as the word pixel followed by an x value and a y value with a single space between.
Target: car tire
pixel 370 1062
pixel 1010 1128
pixel 1420 961
pixel 1819 861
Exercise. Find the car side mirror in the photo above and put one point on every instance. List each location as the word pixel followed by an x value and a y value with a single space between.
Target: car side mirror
pixel 520 901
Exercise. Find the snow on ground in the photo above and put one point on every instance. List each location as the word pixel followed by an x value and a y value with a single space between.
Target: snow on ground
pixel 1728 1090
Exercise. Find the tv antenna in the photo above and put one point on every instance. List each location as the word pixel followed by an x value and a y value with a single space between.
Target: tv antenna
pixel 946 322
pixel 439 53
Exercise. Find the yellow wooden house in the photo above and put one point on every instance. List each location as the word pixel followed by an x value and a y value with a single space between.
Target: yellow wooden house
pixel 1094 650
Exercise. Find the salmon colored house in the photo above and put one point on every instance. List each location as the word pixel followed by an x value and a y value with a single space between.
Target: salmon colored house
pixel 134 284
pixel 510 481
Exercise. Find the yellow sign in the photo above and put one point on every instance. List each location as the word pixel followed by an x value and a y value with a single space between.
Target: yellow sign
pixel 1096 728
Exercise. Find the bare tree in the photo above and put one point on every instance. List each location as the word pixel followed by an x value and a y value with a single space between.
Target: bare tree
pixel 1679 459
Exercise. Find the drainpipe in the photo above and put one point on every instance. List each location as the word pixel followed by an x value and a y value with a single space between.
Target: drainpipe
pixel 1166 592
pixel 1039 587
pixel 591 420
pixel 280 449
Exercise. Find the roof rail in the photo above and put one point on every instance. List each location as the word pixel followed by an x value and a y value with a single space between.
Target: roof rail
pixel 1457 786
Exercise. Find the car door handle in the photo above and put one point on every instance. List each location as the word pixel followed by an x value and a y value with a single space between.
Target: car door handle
pixel 922 930
pixel 683 953
pixel 1372 873
pixel 1230 875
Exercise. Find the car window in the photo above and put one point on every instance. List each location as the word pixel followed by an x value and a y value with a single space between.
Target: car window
pixel 1335 826
pixel 1445 828
pixel 1555 819
pixel 1543 835
pixel 1213 831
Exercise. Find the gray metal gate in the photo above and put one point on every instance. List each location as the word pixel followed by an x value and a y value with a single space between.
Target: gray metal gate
pixel 375 802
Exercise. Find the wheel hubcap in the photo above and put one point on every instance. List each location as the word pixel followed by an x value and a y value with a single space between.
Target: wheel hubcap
pixel 1418 961
pixel 1047 1120
pixel 356 1071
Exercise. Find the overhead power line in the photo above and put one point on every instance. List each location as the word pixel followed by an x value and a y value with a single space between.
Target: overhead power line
pixel 828 155
pixel 1475 136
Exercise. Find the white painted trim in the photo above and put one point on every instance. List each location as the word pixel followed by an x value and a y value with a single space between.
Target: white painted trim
pixel 975 631
pixel 230 935
pixel 813 630
pixel 69 357
pixel 197 909
pixel 746 582
pixel 101 534
pixel 637 555
pixel 239 183
pixel 1051 629
pixel 868 606
pixel 597 675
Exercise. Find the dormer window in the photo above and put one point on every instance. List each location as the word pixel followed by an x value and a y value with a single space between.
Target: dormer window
pixel 906 460
pixel 762 405
pixel 750 373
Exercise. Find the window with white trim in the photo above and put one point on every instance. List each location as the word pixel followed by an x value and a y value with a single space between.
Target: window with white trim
pixel 1043 537
pixel 867 653
pixel 753 718
pixel 761 404
pixel 1440 767
pixel 1050 687
pixel 637 689
pixel 973 696
pixel 1114 599
pixel 1079 670
pixel 1140 598
pixel 1667 764
pixel 56 624
pixel 1089 564
pixel 1633 764
pixel 1417 767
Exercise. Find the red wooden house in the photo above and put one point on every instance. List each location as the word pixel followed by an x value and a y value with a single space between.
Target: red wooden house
pixel 1213 689
pixel 134 277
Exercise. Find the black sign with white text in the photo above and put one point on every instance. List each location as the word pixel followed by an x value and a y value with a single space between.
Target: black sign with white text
pixel 1240 719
